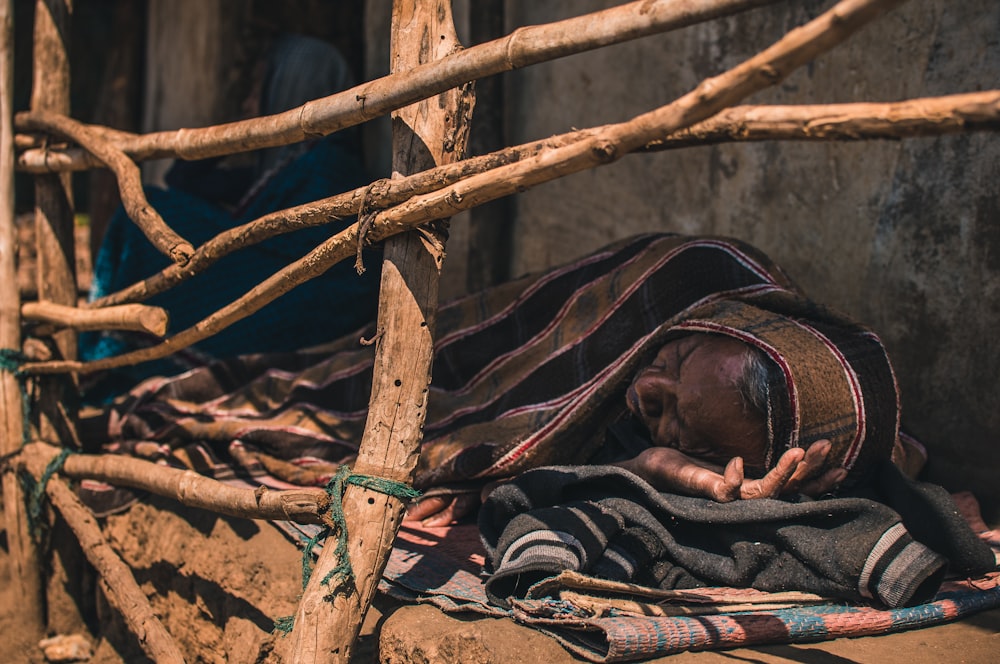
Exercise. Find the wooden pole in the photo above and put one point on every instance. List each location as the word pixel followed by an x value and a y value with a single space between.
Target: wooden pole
pixel 25 570
pixel 136 317
pixel 54 234
pixel 126 172
pixel 329 616
pixel 302 505
pixel 120 586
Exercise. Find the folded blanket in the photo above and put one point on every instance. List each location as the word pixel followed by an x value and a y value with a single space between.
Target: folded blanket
pixel 608 523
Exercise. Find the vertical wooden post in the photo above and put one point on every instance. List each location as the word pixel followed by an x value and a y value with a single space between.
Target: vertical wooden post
pixel 26 574
pixel 56 279
pixel 54 211
pixel 430 132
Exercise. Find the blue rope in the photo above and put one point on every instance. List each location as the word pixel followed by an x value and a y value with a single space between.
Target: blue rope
pixel 11 361
pixel 37 489
pixel 335 489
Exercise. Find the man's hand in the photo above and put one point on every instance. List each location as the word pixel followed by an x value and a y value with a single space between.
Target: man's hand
pixel 442 510
pixel 667 469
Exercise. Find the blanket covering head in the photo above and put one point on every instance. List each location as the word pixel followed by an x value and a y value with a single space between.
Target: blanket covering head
pixel 531 373
pixel 835 381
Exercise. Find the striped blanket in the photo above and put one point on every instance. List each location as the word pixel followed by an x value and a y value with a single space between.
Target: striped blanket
pixel 525 374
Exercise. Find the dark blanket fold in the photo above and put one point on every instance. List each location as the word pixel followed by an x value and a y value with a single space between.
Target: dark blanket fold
pixel 606 522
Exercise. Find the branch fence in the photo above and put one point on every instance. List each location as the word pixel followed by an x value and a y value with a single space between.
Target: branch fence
pixel 50 144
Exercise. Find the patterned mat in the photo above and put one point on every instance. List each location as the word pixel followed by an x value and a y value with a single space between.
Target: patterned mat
pixel 607 622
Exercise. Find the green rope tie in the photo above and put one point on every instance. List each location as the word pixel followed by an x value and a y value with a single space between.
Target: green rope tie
pixel 335 489
pixel 11 361
pixel 36 490
pixel 284 625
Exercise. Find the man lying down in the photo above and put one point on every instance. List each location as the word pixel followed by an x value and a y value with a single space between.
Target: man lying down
pixel 672 410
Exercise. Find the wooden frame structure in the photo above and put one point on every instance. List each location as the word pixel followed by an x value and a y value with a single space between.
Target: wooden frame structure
pixel 429 92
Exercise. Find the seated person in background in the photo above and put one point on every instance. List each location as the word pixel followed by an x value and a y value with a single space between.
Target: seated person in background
pixel 661 363
pixel 207 197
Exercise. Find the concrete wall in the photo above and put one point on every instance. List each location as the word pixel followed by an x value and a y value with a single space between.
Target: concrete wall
pixel 902 235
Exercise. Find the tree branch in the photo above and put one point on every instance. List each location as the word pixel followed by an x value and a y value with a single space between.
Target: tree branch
pixel 127 173
pixel 137 317
pixel 598 147
pixel 931 116
pixel 25 572
pixel 525 46
pixel 303 505
pixel 120 586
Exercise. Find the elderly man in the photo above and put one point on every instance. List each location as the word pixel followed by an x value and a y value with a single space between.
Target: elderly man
pixel 726 381
pixel 662 363
pixel 657 351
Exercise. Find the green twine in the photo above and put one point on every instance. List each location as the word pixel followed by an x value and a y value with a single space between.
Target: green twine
pixel 335 489
pixel 284 625
pixel 11 361
pixel 38 489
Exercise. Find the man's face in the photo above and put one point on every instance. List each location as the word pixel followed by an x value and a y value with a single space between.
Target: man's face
pixel 689 399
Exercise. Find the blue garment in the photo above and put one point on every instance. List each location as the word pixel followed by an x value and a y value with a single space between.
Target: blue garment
pixel 199 206
pixel 327 307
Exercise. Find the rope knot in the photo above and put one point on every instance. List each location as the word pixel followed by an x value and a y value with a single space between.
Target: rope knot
pixel 334 520
pixel 11 361
pixel 37 489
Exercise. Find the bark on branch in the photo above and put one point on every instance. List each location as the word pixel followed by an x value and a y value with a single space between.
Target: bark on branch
pixel 126 172
pixel 599 147
pixel 525 46
pixel 304 505
pixel 333 607
pixel 931 116
pixel 25 572
pixel 136 317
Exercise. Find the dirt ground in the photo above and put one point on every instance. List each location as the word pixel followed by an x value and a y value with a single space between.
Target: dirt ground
pixel 217 584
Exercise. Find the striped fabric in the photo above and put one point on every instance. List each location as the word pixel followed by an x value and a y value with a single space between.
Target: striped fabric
pixel 888 573
pixel 526 374
pixel 890 548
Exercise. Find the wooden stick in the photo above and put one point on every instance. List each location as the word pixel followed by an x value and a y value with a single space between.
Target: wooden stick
pixel 303 505
pixel 122 590
pixel 931 116
pixel 55 240
pixel 601 147
pixel 126 172
pixel 137 317
pixel 25 569
pixel 331 611
pixel 378 195
pixel 525 46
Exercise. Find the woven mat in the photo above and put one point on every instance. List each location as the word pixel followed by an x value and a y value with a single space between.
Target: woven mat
pixel 607 622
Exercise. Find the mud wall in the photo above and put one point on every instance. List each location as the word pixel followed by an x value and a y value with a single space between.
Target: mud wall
pixel 901 234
